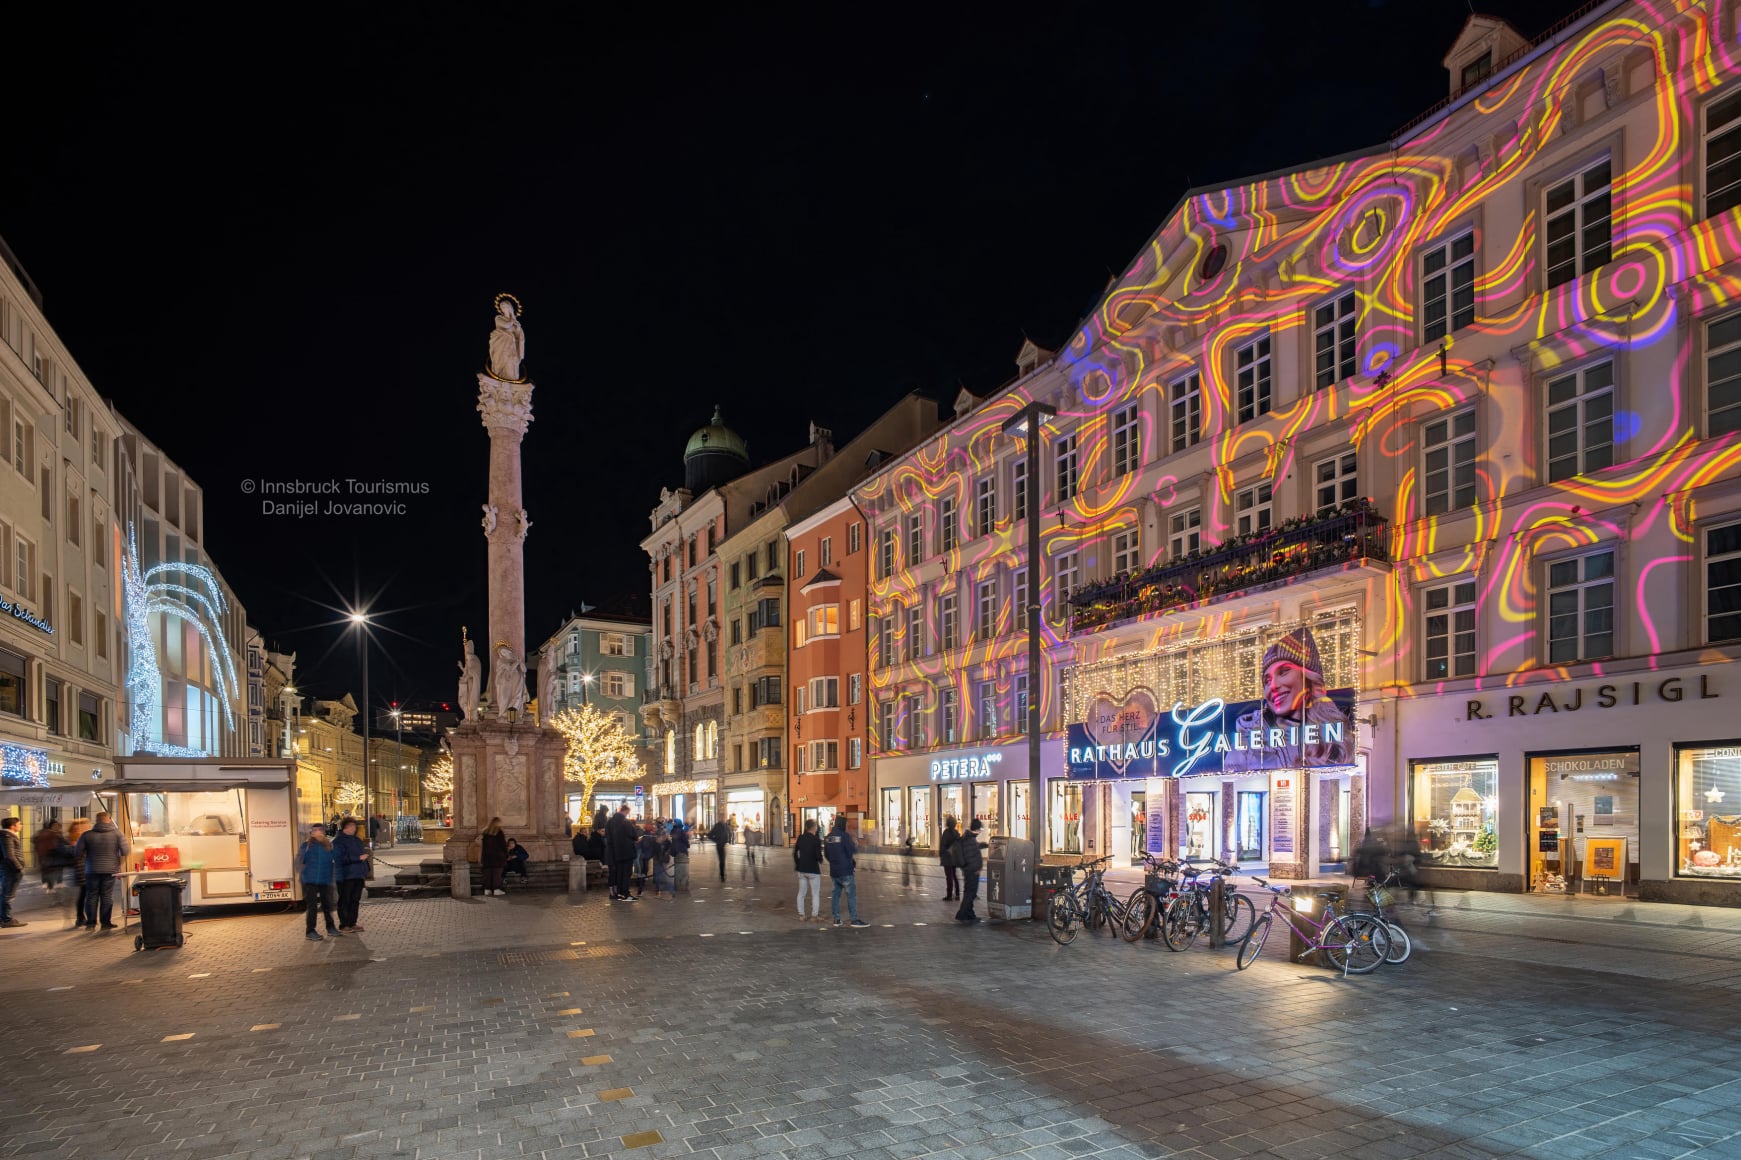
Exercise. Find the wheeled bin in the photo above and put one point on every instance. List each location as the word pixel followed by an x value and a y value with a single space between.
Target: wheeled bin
pixel 159 913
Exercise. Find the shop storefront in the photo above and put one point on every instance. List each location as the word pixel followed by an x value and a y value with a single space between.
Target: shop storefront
pixel 1627 785
pixel 696 801
pixel 1244 747
pixel 911 797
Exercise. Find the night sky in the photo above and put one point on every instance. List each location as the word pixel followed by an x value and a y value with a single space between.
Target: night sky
pixel 274 244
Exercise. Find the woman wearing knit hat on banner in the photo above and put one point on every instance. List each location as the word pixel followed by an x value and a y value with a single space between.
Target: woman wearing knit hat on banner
pixel 1294 697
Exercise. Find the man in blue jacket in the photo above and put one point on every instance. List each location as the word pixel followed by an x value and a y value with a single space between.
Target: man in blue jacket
pixel 842 862
pixel 352 856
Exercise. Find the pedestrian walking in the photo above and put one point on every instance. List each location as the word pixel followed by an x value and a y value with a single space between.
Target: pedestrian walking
pixel 842 866
pixel 679 857
pixel 52 855
pixel 620 836
pixel 11 869
pixel 720 836
pixel 731 824
pixel 807 860
pixel 947 854
pixel 103 849
pixel 351 857
pixel 646 846
pixel 493 856
pixel 661 865
pixel 75 831
pixel 972 859
pixel 317 870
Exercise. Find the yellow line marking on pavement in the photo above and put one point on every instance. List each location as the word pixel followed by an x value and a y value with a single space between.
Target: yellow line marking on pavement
pixel 265 1027
pixel 421 1010
pixel 176 1038
pixel 581 1034
pixel 261 970
pixel 616 1094
pixel 569 1011
pixel 60 988
pixel 589 1061
pixel 93 1047
pixel 201 975
pixel 344 1018
pixel 557 995
pixel 578 944
pixel 642 1139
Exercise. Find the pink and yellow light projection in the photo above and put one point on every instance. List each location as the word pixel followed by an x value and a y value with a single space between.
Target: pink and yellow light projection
pixel 1631 84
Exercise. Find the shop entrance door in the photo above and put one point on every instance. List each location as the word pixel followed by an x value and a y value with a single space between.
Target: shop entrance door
pixel 1252 825
pixel 985 794
pixel 1139 821
pixel 952 809
pixel 1583 822
pixel 1200 826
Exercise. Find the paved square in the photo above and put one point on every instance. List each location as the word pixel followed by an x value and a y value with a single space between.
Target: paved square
pixel 1529 1027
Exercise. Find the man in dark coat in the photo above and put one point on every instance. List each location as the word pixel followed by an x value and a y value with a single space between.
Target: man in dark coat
pixel 972 858
pixel 621 836
pixel 720 836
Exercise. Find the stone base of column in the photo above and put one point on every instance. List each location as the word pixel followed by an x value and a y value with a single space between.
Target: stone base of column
pixel 512 771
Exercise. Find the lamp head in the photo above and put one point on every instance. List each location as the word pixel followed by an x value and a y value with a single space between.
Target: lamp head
pixel 359 618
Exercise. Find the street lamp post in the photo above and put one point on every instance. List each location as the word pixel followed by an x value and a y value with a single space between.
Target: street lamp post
pixel 1026 423
pixel 398 765
pixel 585 688
pixel 361 621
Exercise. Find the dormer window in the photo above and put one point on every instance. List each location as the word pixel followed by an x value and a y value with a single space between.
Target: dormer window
pixel 1477 71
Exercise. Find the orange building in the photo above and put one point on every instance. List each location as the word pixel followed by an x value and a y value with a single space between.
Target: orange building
pixel 830 573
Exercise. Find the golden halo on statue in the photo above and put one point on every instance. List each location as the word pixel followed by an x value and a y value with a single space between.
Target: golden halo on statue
pixel 519 311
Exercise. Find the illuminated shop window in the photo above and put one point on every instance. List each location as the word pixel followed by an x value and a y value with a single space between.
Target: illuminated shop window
pixel 1126 441
pixel 894 832
pixel 1722 146
pixel 946 524
pixel 1252 378
pixel 1184 533
pixel 1064 816
pixel 1581 608
pixel 1449 462
pixel 1064 467
pixel 1723 373
pixel 1456 811
pixel 1448 287
pixel 1185 411
pixel 1333 339
pixel 1252 509
pixel 1449 627
pixel 1581 422
pixel 1579 217
pixel 1723 583
pixel 1126 551
pixel 1336 480
pixel 1708 811
pixel 919 815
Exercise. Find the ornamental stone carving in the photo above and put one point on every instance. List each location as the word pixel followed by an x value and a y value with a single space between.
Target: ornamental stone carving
pixel 505 405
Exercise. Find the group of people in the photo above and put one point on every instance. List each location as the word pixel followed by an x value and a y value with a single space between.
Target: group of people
pixel 94 850
pixel 635 852
pixel 841 853
pixel 963 857
pixel 333 870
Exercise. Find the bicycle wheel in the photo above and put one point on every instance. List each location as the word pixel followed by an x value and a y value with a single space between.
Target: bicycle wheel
pixel 1111 912
pixel 1254 940
pixel 1095 918
pixel 1139 912
pixel 1061 918
pixel 1237 915
pixel 1179 924
pixel 1356 943
pixel 1400 945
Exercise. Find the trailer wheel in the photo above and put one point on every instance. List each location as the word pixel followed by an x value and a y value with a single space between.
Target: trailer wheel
pixel 181 940
pixel 138 942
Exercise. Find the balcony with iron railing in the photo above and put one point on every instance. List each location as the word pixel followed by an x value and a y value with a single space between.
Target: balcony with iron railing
pixel 1352 535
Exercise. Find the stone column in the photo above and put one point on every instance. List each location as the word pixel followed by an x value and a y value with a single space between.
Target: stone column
pixel 507 412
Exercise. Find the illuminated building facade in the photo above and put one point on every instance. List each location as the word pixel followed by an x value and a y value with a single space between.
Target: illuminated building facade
pixel 1466 406
pixel 601 660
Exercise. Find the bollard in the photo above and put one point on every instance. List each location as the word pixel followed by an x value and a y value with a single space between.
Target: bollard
pixel 576 875
pixel 461 883
pixel 1217 915
pixel 1306 906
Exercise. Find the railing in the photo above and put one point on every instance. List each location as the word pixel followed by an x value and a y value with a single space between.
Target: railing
pixel 1353 532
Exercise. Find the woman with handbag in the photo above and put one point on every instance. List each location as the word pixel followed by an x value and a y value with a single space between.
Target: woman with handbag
pixel 493 856
pixel 946 854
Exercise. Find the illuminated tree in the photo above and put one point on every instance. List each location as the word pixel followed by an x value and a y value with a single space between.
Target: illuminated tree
pixel 349 795
pixel 599 749
pixel 439 781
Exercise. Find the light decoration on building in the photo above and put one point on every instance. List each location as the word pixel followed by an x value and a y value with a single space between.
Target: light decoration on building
pixel 21 765
pixel 203 606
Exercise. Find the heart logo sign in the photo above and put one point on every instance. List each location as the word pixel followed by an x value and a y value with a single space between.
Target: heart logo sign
pixel 1122 726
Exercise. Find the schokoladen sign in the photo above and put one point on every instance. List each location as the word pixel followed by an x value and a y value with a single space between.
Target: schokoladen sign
pixel 1297 724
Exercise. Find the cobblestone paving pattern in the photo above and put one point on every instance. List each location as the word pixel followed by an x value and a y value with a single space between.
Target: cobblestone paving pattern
pixel 717 1026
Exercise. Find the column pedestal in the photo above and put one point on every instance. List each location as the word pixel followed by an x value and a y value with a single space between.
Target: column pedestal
pixel 510 770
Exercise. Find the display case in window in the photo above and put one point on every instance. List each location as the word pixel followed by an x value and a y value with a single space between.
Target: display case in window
pixel 1708 811
pixel 1455 812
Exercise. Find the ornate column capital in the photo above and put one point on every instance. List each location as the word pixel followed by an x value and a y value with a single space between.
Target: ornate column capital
pixel 505 405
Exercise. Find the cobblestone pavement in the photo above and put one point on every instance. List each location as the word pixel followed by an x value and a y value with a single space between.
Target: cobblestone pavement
pixel 719 1026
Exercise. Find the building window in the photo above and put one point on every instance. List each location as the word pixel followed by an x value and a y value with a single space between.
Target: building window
pixel 1579 217
pixel 1476 71
pixel 619 685
pixel 25 561
pixel 1185 403
pixel 11 683
pixel 1335 481
pixel 21 447
pixel 1581 422
pixel 1723 155
pixel 947 622
pixel 1333 340
pixel 100 635
pixel 99 554
pixel 824 756
pixel 1126 441
pixel 1723 584
pixel 1064 467
pixel 765 614
pixel 773 550
pixel 75 520
pixel 854 752
pixel 915 734
pixel 75 614
pixel 1723 372
pixel 1021 703
pixel 766 691
pixel 985 627
pixel 1581 608
pixel 855 689
pixel 769 750
pixel 1019 586
pixel 915 539
pixel 737 630
pixel 798 565
pixel 946 524
pixel 985 506
pixel 854 538
pixel 89 719
pixel 751 565
pixel 692 551
pixel 1449 465
pixel 1252 510
pixel 51 704
pixel 824 693
pixel 885 737
pixel 1456 811
pixel 736 576
pixel 886 640
pixel 825 551
pixel 1252 379
pixel 96 447
pixel 1448 287
pixel 855 619
pixel 987 709
pixel 949 715
pixel 1450 630
pixel 886 554
pixel 1708 823
pixel 1019 488
pixel 737 700
pixel 1184 533
pixel 1126 552
pixel 915 632
pixel 1066 575
pixel 825 620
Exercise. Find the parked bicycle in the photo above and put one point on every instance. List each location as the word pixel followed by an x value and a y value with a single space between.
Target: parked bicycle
pixel 1149 901
pixel 1084 903
pixel 1380 903
pixel 1355 944
pixel 1189 909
